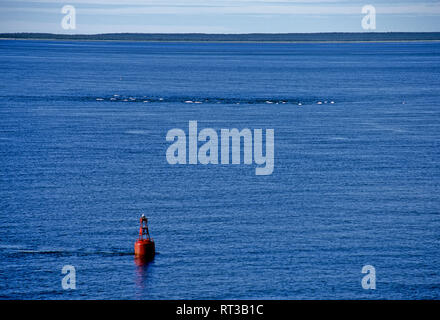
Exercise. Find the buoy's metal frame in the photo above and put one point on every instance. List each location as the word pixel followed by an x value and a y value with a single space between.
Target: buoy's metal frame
pixel 143 230
pixel 144 247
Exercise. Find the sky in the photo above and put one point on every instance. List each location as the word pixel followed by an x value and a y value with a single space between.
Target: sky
pixel 218 16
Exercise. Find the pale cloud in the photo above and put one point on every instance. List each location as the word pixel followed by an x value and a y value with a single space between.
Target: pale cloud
pixel 291 9
pixel 180 2
pixel 262 10
pixel 43 27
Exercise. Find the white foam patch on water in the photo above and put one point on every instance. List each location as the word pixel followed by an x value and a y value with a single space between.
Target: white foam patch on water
pixel 338 138
pixel 146 98
pixel 379 127
pixel 144 132
pixel 12 246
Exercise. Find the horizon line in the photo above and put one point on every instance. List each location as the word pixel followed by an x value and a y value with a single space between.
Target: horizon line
pixel 317 37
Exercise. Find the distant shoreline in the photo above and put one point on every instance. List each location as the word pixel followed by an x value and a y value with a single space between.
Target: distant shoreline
pixel 367 37
pixel 225 41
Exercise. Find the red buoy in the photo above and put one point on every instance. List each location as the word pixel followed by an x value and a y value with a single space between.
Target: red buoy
pixel 144 247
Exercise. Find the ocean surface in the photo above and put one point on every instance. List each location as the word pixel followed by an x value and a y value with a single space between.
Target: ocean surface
pixel 356 178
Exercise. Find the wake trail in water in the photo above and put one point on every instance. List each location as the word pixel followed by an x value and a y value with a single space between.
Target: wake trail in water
pixel 23 251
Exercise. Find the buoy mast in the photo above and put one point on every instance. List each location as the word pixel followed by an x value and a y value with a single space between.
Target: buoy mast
pixel 144 247
pixel 143 230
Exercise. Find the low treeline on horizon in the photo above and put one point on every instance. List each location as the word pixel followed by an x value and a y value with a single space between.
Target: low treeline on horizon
pixel 254 37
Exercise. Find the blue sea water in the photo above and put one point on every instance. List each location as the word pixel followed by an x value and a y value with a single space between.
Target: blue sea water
pixel 356 182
